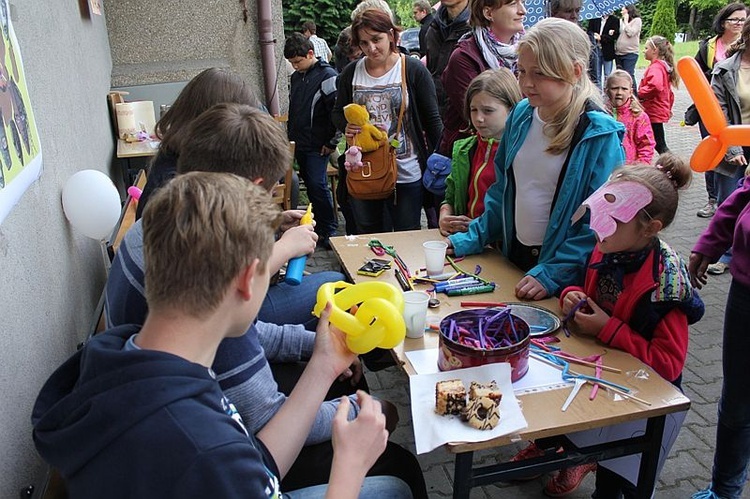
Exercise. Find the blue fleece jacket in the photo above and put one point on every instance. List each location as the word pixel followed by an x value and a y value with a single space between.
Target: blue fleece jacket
pixel 123 422
pixel 566 246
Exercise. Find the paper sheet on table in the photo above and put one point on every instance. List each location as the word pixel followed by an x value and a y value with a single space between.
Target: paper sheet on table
pixel 432 430
pixel 540 376
pixel 628 466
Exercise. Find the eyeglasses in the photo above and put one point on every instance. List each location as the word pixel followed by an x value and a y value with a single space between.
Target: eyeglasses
pixel 736 20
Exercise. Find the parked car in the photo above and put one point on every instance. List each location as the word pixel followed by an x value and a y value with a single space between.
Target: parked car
pixel 409 40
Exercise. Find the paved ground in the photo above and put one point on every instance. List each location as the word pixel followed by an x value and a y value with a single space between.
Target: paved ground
pixel 689 466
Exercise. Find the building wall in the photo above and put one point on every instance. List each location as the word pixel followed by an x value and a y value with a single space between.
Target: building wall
pixel 173 40
pixel 51 276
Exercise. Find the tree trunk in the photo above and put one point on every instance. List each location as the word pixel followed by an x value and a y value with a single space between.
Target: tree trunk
pixel 691 22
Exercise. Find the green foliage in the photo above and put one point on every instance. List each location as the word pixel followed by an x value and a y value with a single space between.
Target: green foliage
pixel 330 16
pixel 664 23
pixel 403 12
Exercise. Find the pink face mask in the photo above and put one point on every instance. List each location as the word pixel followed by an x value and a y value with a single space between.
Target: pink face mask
pixel 611 203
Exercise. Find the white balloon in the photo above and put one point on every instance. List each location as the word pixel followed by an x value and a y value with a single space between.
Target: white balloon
pixel 91 203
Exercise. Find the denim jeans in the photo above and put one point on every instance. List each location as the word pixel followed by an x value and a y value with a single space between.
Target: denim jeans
pixel 595 73
pixel 401 211
pixel 374 487
pixel 312 169
pixel 709 175
pixel 733 431
pixel 287 304
pixel 627 62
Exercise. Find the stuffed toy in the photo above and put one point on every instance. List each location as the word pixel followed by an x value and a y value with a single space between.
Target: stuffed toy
pixel 370 137
pixel 353 158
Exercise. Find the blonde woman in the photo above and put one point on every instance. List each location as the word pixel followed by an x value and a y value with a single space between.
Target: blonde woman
pixel 559 146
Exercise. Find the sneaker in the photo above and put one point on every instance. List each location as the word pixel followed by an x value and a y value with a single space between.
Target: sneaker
pixel 528 452
pixel 568 480
pixel 706 494
pixel 708 210
pixel 717 268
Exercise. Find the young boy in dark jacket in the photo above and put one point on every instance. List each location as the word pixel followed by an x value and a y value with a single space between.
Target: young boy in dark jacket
pixel 311 99
pixel 138 411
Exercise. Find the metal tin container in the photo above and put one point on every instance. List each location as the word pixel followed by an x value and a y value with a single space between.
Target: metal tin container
pixel 515 350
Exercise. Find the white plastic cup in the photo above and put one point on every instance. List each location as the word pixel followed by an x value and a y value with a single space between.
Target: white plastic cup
pixel 434 256
pixel 415 313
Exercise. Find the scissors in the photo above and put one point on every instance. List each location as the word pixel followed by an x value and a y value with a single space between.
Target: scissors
pixel 380 249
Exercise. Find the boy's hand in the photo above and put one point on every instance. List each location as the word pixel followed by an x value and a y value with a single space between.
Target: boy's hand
pixel 529 288
pixel 330 352
pixel 299 240
pixel 697 266
pixel 450 224
pixel 590 323
pixel 357 444
pixel 291 218
pixel 571 300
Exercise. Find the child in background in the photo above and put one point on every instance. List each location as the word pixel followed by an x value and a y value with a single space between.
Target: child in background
pixel 312 94
pixel 558 147
pixel 639 137
pixel 489 98
pixel 655 91
pixel 638 293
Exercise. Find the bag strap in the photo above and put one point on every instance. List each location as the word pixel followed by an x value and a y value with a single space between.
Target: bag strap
pixel 403 96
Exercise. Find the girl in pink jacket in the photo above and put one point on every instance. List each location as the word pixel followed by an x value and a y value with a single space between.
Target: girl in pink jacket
pixel 639 137
pixel 655 91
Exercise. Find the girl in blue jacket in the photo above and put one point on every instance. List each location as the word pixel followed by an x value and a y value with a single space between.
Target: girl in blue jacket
pixel 559 146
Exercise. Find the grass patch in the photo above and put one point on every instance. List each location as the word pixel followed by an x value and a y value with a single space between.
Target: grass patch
pixel 680 50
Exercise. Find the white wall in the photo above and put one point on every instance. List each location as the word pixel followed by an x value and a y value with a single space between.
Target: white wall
pixel 51 277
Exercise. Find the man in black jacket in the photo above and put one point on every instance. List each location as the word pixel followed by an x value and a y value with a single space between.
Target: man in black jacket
pixel 422 11
pixel 604 32
pixel 451 23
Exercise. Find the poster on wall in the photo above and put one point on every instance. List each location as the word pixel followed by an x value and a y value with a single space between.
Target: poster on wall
pixel 20 149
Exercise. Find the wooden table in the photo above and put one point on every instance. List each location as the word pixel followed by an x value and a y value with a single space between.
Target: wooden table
pixel 542 409
pixel 127 151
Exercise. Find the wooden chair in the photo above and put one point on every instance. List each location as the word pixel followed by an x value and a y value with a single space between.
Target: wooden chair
pixel 282 192
pixel 127 219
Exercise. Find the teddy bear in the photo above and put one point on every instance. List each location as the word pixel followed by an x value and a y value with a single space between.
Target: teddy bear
pixel 353 158
pixel 370 137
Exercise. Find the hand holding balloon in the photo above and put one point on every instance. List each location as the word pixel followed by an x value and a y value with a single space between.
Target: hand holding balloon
pixel 712 149
pixel 378 321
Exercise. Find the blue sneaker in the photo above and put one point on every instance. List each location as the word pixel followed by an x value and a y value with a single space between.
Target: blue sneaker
pixel 706 494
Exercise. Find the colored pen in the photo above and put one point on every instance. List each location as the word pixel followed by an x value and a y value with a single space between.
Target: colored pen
pixel 471 290
pixel 482 304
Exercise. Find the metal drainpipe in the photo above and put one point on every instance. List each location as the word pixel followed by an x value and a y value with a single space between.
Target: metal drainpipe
pixel 268 57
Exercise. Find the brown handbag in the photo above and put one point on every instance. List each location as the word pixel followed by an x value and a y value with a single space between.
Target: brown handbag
pixel 377 177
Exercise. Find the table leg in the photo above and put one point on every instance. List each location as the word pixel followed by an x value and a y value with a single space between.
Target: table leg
pixel 650 458
pixel 462 475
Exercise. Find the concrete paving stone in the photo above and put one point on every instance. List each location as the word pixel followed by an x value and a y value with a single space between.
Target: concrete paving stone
pixel 688 440
pixel 709 373
pixel 679 461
